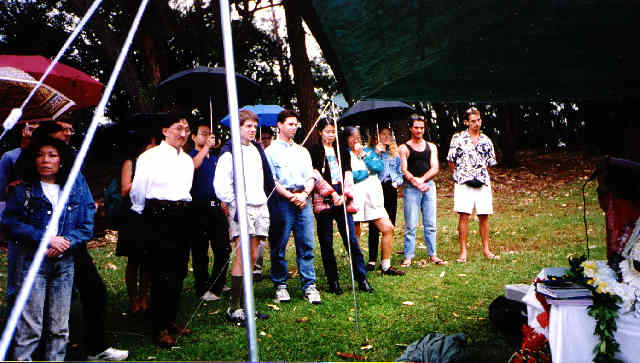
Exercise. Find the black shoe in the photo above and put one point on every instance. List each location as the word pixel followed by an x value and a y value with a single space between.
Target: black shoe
pixel 364 286
pixel 261 316
pixel 334 287
pixel 392 272
pixel 371 266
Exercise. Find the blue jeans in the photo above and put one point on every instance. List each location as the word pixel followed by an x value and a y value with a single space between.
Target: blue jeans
pixel 51 289
pixel 285 218
pixel 416 201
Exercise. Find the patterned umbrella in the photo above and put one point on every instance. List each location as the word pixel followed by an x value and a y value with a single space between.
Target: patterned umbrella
pixel 47 103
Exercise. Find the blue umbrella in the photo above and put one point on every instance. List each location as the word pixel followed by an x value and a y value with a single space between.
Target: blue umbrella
pixel 267 114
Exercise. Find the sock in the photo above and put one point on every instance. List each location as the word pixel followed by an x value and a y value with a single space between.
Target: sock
pixel 385 264
pixel 236 292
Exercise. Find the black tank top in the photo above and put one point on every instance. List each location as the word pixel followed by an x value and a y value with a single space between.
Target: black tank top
pixel 419 162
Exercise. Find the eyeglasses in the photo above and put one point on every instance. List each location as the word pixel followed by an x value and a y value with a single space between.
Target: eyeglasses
pixel 69 130
pixel 181 129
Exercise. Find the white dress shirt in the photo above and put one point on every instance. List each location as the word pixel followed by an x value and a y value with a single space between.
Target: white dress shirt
pixel 161 173
pixel 253 176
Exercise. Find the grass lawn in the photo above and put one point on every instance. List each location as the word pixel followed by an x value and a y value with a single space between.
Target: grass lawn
pixel 538 222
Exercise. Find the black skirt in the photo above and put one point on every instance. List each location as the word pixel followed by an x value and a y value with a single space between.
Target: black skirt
pixel 132 235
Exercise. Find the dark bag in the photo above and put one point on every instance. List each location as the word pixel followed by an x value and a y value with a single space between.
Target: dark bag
pixel 113 201
pixel 474 183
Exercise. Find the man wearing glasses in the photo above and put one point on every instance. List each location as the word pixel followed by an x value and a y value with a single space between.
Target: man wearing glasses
pixel 470 154
pixel 160 191
pixel 67 131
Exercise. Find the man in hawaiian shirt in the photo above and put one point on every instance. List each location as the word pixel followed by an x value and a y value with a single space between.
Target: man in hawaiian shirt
pixel 470 154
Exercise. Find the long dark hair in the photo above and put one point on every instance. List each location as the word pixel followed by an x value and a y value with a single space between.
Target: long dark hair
pixel 27 169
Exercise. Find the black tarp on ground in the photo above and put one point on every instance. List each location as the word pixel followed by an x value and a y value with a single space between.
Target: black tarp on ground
pixel 480 50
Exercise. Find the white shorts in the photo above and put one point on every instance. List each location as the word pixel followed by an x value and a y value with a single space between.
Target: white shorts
pixel 258 216
pixel 465 198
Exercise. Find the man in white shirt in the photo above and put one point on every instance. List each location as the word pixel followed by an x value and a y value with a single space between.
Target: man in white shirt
pixel 160 191
pixel 254 164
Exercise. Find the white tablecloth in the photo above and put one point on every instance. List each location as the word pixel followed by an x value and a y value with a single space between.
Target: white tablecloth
pixel 570 329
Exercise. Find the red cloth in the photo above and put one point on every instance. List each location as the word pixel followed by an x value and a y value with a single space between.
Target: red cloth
pixel 618 214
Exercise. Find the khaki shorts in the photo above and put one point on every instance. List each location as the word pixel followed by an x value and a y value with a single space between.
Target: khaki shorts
pixel 258 216
pixel 465 198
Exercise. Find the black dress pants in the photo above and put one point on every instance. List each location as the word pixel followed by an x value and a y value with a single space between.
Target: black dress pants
pixel 390 205
pixel 168 256
pixel 209 227
pixel 93 294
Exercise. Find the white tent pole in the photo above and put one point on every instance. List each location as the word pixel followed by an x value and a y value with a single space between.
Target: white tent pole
pixel 346 221
pixel 210 115
pixel 238 176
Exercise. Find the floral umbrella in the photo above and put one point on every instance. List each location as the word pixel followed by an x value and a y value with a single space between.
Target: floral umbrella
pixel 47 103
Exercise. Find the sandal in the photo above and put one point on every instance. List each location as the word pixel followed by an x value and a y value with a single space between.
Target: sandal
pixel 438 261
pixel 406 262
pixel 491 256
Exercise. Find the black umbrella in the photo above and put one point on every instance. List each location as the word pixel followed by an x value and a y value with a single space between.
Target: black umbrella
pixel 199 85
pixel 369 111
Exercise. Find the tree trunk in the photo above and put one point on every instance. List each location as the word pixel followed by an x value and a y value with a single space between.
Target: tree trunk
pixel 508 135
pixel 305 94
pixel 445 125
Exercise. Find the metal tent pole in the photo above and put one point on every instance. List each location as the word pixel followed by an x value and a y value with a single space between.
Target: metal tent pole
pixel 238 176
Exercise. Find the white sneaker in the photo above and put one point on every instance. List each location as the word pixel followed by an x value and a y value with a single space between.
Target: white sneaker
pixel 312 295
pixel 110 354
pixel 282 295
pixel 209 296
pixel 237 317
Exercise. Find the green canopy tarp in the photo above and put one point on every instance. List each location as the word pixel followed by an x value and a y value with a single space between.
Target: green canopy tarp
pixel 480 50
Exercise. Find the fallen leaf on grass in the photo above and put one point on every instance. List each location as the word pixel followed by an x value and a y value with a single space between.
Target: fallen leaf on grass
pixel 293 273
pixel 151 357
pixel 366 347
pixel 442 274
pixel 214 312
pixel 408 303
pixel 454 314
pixel 274 307
pixel 303 319
pixel 351 356
pixel 176 348
pixel 263 333
pixel 401 345
pixel 462 275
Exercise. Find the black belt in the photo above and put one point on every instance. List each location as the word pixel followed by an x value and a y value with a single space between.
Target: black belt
pixel 173 204
pixel 207 203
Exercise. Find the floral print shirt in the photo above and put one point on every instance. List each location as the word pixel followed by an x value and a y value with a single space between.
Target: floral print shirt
pixel 471 160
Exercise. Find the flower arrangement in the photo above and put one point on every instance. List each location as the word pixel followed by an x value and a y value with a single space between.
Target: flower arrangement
pixel 534 349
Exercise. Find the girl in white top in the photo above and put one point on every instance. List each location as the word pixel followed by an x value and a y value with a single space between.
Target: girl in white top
pixel 368 196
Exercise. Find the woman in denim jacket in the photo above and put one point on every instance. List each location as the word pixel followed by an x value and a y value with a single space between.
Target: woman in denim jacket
pixel 46 166
pixel 391 178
